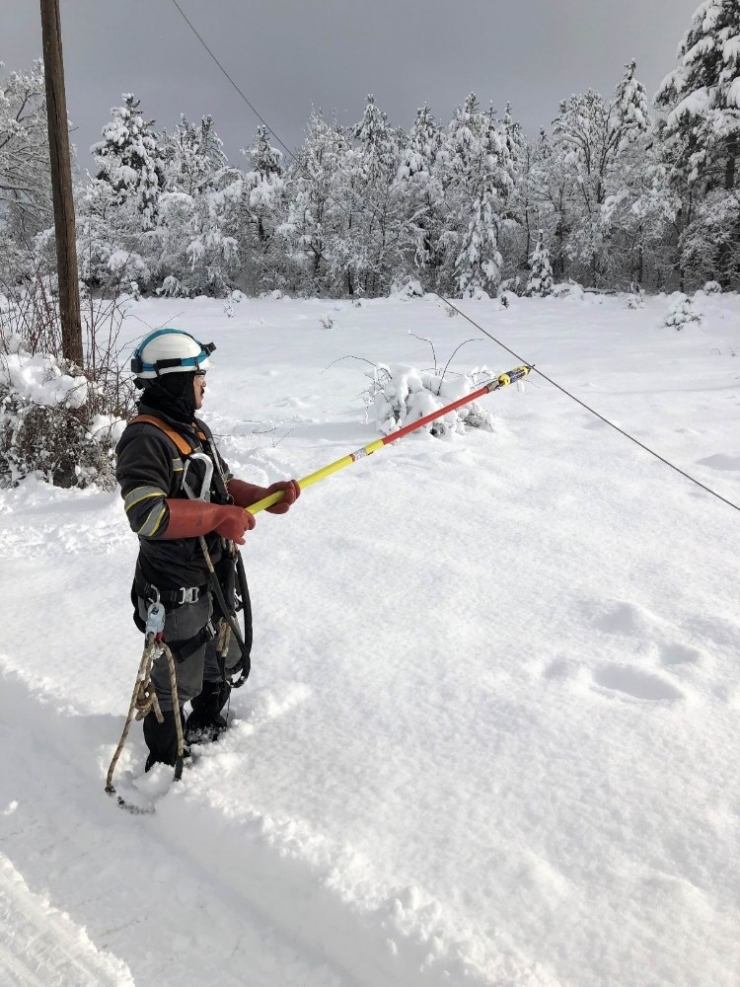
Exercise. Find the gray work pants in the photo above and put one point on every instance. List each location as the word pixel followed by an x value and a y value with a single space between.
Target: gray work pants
pixel 198 664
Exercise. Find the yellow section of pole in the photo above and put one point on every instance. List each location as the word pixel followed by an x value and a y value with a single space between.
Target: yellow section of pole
pixel 321 474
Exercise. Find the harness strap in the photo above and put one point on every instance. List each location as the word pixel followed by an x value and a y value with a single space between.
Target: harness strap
pixel 182 444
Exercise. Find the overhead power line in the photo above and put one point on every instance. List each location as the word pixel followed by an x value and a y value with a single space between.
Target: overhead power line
pixel 480 328
pixel 249 104
pixel 590 409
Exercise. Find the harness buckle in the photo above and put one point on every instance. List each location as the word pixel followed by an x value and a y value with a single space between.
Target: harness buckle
pixel 188 594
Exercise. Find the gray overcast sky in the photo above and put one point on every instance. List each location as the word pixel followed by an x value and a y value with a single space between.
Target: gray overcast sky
pixel 287 55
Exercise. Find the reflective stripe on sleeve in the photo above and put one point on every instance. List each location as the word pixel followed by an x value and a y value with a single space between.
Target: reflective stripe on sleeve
pixel 138 494
pixel 153 521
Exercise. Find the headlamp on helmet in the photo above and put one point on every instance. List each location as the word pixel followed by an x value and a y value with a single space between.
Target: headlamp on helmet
pixel 168 351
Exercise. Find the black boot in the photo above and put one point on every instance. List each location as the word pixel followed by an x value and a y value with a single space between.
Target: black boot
pixel 206 723
pixel 161 739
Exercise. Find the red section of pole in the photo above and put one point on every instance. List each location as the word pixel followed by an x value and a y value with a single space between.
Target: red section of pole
pixel 419 423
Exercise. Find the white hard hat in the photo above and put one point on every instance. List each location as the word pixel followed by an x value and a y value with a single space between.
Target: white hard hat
pixel 169 351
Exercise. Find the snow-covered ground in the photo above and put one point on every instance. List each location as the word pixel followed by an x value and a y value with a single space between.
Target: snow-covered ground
pixel 491 731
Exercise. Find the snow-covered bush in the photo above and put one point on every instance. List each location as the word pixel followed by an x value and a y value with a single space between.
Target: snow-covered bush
pixel 405 288
pixel 172 288
pixel 57 420
pixel 681 313
pixel 401 394
pixel 569 289
pixel 712 288
pixel 47 427
pixel 515 285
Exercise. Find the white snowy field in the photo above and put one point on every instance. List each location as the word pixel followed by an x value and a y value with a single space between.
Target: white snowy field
pixel 491 732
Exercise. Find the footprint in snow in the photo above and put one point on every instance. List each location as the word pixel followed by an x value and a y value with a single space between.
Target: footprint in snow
pixel 632 621
pixel 626 618
pixel 269 704
pixel 636 683
pixel 679 654
pixel 721 462
pixel 562 669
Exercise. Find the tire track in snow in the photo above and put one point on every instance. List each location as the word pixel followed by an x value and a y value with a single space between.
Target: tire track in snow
pixel 42 947
pixel 201 892
pixel 162 915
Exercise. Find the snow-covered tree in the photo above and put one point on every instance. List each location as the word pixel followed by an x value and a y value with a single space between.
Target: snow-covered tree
pixel 130 160
pixel 701 98
pixel 517 215
pixel 367 251
pixel 540 280
pixel 702 95
pixel 111 247
pixel 194 247
pixel 594 144
pixel 418 183
pixel 25 182
pixel 198 254
pixel 681 314
pixel 375 139
pixel 422 147
pixel 477 182
pixel 314 211
pixel 194 158
pixel 264 184
pixel 189 245
pixel 515 141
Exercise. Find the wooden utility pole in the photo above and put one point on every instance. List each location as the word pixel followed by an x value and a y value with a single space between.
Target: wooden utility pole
pixel 61 182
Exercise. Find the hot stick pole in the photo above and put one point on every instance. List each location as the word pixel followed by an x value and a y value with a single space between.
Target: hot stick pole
pixel 494 385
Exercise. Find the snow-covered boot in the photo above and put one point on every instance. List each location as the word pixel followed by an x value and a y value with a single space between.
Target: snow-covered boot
pixel 161 739
pixel 206 723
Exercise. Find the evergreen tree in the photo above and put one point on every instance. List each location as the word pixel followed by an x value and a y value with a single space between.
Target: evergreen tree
pixel 194 158
pixel 702 137
pixel 515 142
pixel 110 246
pixel 540 276
pixel 368 250
pixel 196 236
pixel 314 214
pixel 377 146
pixel 192 247
pixel 266 160
pixel 478 186
pixel 129 159
pixel 419 184
pixel 631 110
pixel 421 148
pixel 516 235
pixel 262 207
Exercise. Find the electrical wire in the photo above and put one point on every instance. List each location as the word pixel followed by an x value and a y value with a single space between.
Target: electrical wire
pixel 588 408
pixel 480 328
pixel 249 104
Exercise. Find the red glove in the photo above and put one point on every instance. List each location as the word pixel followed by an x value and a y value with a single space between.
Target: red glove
pixel 235 523
pixel 191 518
pixel 246 494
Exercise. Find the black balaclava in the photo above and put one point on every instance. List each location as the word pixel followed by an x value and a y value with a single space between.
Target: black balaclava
pixel 172 394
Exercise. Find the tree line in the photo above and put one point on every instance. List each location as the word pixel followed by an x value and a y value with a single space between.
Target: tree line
pixel 616 194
